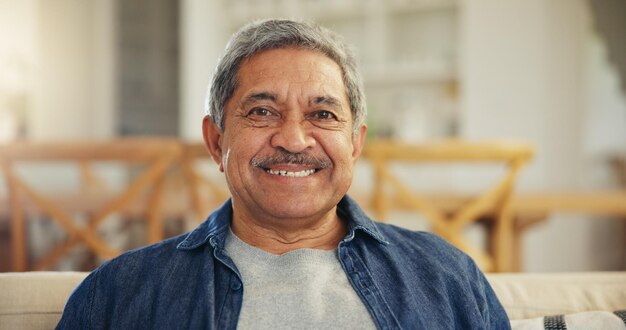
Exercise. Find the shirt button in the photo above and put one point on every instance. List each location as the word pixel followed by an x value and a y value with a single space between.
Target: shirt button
pixel 235 285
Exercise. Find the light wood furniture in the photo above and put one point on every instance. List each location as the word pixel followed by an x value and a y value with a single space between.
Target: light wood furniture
pixel 190 190
pixel 154 156
pixel 450 225
pixel 532 208
pixel 203 192
pixel 607 203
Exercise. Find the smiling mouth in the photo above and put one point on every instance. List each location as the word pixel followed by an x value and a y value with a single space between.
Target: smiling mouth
pixel 302 173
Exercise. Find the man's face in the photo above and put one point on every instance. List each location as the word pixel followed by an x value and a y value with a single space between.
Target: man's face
pixel 287 148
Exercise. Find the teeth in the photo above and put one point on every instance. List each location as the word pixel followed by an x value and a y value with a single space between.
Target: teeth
pixel 293 174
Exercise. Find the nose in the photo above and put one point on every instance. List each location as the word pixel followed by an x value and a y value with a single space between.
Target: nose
pixel 293 136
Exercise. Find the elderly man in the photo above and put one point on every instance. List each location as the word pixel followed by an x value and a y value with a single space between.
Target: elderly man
pixel 289 250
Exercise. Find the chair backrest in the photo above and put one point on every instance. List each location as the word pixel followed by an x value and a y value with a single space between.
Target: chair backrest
pixel 153 155
pixel 205 192
pixel 449 216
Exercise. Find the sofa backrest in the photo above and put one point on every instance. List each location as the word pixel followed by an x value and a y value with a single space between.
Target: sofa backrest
pixel 531 295
pixel 35 300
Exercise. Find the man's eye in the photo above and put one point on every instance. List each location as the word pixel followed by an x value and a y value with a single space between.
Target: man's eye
pixel 260 112
pixel 324 115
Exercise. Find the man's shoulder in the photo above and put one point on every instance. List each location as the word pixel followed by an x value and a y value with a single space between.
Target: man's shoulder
pixel 153 253
pixel 148 267
pixel 184 253
pixel 161 273
pixel 150 261
pixel 411 238
pixel 395 236
pixel 423 247
pixel 433 277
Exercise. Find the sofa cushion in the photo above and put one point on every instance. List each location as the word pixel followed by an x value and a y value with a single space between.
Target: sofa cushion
pixel 35 300
pixel 531 295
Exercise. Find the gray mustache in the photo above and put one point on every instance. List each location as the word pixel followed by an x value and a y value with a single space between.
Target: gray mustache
pixel 286 157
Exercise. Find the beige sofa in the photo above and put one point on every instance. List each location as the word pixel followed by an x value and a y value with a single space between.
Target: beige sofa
pixel 35 300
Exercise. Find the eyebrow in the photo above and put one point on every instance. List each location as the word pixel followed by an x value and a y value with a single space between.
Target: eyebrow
pixel 267 96
pixel 326 100
pixel 262 96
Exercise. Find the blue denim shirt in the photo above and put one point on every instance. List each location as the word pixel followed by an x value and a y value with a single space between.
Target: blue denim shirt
pixel 406 279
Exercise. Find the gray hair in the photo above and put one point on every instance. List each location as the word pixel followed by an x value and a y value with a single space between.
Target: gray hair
pixel 280 33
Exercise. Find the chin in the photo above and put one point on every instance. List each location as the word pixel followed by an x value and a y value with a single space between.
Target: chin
pixel 295 210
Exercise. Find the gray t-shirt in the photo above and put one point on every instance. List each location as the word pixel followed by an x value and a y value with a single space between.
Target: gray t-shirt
pixel 301 289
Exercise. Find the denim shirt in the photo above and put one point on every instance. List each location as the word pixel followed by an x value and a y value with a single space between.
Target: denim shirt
pixel 406 279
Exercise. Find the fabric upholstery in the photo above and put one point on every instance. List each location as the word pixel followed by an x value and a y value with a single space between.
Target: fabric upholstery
pixel 35 300
pixel 531 295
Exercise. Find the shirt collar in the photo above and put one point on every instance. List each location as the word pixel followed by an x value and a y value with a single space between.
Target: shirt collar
pixel 349 210
pixel 215 228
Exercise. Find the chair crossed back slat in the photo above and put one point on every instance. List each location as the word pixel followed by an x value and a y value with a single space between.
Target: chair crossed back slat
pixel 495 201
pixel 155 156
pixel 196 182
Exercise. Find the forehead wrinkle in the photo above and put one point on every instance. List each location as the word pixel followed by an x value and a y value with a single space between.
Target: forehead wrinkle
pixel 305 79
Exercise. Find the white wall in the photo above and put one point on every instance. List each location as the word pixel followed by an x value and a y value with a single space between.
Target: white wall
pixel 605 113
pixel 74 93
pixel 18 48
pixel 508 72
pixel 202 43
pixel 104 120
pixel 525 75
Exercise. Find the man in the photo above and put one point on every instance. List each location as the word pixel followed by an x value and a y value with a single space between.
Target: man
pixel 289 250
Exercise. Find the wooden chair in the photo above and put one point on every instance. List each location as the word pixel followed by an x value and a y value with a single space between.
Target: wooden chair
pixel 457 213
pixel 205 194
pixel 192 191
pixel 154 156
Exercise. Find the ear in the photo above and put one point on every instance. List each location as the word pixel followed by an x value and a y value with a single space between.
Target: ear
pixel 213 141
pixel 358 141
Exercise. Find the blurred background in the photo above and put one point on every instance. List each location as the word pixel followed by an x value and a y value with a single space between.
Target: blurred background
pixel 548 73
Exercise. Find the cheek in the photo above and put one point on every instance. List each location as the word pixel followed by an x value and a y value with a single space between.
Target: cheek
pixel 339 148
pixel 242 148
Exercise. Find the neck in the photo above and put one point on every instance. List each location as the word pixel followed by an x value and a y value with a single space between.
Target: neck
pixel 284 235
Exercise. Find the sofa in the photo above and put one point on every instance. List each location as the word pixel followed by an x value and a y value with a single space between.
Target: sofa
pixel 34 300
